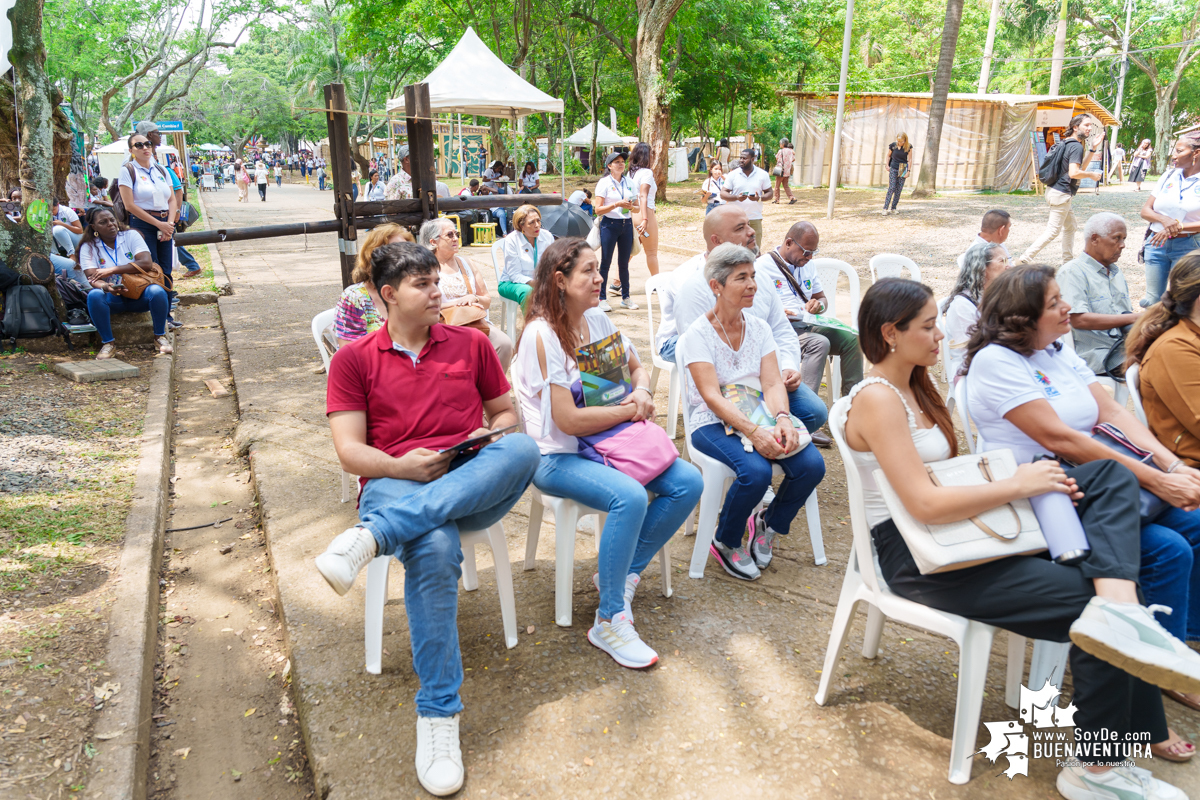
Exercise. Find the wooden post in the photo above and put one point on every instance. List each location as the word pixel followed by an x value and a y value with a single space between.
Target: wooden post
pixel 336 121
pixel 420 148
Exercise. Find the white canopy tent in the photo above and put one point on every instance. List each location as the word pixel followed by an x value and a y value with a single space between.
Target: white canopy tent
pixel 112 156
pixel 604 137
pixel 473 80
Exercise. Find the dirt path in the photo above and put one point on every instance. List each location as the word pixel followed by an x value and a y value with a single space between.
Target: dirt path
pixel 224 720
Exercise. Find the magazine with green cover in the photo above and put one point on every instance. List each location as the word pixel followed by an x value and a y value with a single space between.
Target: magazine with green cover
pixel 750 402
pixel 829 322
pixel 604 371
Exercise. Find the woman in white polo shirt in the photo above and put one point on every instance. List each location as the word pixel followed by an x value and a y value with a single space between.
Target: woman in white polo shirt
pixel 150 202
pixel 1027 393
pixel 616 198
pixel 1173 211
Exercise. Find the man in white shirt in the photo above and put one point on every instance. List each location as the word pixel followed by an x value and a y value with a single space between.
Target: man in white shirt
pixel 400 186
pixel 693 298
pixel 993 229
pixel 747 187
pixel 800 291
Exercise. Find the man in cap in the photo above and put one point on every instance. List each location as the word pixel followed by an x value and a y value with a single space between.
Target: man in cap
pixel 400 186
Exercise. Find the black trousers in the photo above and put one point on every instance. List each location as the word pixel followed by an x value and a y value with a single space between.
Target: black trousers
pixel 895 187
pixel 1034 597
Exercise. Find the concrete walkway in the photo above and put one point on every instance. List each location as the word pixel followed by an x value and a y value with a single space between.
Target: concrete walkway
pixel 728 712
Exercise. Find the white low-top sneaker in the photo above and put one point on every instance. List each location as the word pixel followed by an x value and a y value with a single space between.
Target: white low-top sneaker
pixel 604 306
pixel 1128 636
pixel 1120 783
pixel 439 757
pixel 631 584
pixel 345 557
pixel 618 638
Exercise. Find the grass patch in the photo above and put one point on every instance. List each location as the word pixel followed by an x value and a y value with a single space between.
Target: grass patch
pixel 205 281
pixel 43 535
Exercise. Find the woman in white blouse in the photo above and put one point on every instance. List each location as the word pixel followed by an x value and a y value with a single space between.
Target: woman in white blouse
pixel 981 264
pixel 1173 211
pixel 530 180
pixel 150 202
pixel 711 188
pixel 376 190
pixel 727 347
pixel 523 248
pixel 645 219
pixel 562 318
pixel 461 283
pixel 896 421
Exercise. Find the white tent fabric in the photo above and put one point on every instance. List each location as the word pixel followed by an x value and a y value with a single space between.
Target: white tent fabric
pixel 472 80
pixel 604 137
pixel 6 34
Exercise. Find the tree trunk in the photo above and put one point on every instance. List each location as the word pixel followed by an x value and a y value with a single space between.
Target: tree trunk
pixel 19 243
pixel 1060 49
pixel 1163 112
pixel 498 151
pixel 653 18
pixel 927 179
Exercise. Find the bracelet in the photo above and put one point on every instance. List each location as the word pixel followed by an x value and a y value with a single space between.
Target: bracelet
pixel 752 430
pixel 645 389
pixel 1176 464
pixel 782 414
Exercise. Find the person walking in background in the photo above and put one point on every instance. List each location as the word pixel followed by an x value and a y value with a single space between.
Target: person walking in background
pixel 261 176
pixel 711 188
pixel 898 166
pixel 1141 163
pixel 1061 191
pixel 1173 211
pixel 242 179
pixel 645 218
pixel 785 158
pixel 615 198
pixel 1117 167
pixel 278 175
pixel 747 186
pixel 722 155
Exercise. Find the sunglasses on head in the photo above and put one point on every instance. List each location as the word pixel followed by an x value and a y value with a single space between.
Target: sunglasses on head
pixel 141 145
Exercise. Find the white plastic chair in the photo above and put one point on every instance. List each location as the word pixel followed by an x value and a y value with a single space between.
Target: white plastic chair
pixel 319 323
pixel 1135 391
pixel 717 477
pixel 828 272
pixel 964 414
pixel 509 308
pixel 944 355
pixel 567 514
pixel 654 286
pixel 377 580
pixel 891 265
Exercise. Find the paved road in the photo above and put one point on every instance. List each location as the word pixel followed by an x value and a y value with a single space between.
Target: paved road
pixel 728 711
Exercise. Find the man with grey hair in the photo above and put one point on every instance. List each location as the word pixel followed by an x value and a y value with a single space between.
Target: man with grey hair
pixel 1095 288
pixel 400 186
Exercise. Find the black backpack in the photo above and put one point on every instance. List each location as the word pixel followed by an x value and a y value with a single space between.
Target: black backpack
pixel 29 314
pixel 1051 168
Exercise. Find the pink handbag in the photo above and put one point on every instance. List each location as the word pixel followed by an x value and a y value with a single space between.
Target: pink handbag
pixel 641 450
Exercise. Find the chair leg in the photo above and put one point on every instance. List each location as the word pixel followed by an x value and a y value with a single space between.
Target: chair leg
pixel 706 527
pixel 813 514
pixel 345 486
pixel 1015 670
pixel 470 578
pixel 842 618
pixel 654 379
pixel 972 677
pixel 566 517
pixel 536 511
pixel 835 378
pixel 1048 663
pixel 664 566
pixel 674 387
pixel 1121 394
pixel 377 578
pixel 504 584
pixel 873 633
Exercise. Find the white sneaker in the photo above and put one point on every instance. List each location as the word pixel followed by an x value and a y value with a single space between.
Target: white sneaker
pixel 107 351
pixel 631 584
pixel 629 304
pixel 164 345
pixel 1120 783
pixel 439 757
pixel 604 306
pixel 345 557
pixel 621 641
pixel 1128 636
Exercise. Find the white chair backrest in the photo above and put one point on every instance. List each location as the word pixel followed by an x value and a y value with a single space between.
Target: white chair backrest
pixel 964 413
pixel 685 378
pixel 828 272
pixel 962 259
pixel 319 323
pixel 498 258
pixel 863 548
pixel 891 265
pixel 653 289
pixel 1135 391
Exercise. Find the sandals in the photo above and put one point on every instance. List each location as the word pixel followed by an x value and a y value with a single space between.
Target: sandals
pixel 1182 699
pixel 1175 748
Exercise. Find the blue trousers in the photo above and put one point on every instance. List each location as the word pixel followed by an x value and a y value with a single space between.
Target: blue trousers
pixel 102 305
pixel 68 269
pixel 616 234
pixel 187 260
pixel 64 240
pixel 1170 550
pixel 419 524
pixel 802 471
pixel 635 530
pixel 1159 261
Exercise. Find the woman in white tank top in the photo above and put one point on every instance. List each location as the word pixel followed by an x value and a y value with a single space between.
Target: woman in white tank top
pixel 897 421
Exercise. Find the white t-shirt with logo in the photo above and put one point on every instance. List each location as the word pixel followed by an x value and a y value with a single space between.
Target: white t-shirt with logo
pixel 758 181
pixel 97 255
pixel 609 191
pixel 1001 379
pixel 152 188
pixel 1177 197
pixel 806 276
pixel 66 214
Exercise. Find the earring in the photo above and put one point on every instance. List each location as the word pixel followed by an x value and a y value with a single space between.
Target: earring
pixel 893 348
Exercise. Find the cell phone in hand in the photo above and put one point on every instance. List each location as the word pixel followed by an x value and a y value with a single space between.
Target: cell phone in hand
pixel 477 441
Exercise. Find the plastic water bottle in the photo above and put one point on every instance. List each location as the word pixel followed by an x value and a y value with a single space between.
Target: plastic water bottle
pixel 1060 525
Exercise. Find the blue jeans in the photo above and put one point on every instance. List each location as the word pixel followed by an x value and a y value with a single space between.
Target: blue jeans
pixel 64 240
pixel 810 409
pixel 667 351
pixel 419 524
pixel 635 530
pixel 187 260
pixel 102 305
pixel 68 269
pixel 321 183
pixel 278 180
pixel 501 215
pixel 1170 548
pixel 616 234
pixel 802 471
pixel 1159 261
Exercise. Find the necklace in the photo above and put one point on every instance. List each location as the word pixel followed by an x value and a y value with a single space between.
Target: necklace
pixel 728 338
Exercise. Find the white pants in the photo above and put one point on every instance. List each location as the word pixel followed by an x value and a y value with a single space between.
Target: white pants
pixel 1062 219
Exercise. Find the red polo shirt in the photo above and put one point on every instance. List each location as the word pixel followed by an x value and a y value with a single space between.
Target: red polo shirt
pixel 434 403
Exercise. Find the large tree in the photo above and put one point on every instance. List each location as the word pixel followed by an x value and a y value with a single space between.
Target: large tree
pixel 927 179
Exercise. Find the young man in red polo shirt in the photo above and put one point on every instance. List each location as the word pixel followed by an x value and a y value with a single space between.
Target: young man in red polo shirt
pixel 396 399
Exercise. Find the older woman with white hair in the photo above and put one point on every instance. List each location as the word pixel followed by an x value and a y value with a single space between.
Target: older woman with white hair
pixel 523 248
pixel 465 298
pixel 981 264
pixel 750 428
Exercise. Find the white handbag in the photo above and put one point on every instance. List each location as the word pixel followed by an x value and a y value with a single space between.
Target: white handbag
pixel 593 237
pixel 1008 530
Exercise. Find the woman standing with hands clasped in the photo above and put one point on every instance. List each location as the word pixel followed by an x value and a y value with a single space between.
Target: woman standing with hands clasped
pixel 150 202
pixel 1173 211
pixel 615 199
pixel 897 164
pixel 645 220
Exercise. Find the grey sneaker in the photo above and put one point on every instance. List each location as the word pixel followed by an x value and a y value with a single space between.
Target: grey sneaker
pixel 604 306
pixel 627 303
pixel 631 584
pixel 1121 783
pixel 1128 636
pixel 736 561
pixel 762 540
